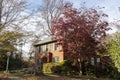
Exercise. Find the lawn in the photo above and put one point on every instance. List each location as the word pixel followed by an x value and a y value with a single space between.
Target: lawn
pixel 42 77
pixel 56 77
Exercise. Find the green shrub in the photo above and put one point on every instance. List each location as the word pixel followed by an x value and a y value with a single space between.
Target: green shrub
pixel 63 68
pixel 48 67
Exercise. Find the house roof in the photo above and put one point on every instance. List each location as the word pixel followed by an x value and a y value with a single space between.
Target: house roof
pixel 45 41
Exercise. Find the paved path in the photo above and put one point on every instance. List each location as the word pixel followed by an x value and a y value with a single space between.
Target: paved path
pixel 15 77
pixel 46 77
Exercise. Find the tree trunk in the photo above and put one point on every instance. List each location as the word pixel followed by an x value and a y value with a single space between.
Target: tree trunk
pixel 1 14
pixel 82 66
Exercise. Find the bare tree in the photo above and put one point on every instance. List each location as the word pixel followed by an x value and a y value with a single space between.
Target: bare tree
pixel 35 40
pixel 115 25
pixel 13 17
pixel 12 13
pixel 50 9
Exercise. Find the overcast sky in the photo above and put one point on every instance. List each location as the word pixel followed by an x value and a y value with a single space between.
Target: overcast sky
pixel 111 6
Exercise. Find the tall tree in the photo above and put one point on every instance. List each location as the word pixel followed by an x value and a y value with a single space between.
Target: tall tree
pixel 13 18
pixel 51 9
pixel 35 40
pixel 9 39
pixel 114 50
pixel 79 32
pixel 12 14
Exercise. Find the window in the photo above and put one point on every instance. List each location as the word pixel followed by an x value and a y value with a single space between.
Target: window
pixel 39 49
pixel 56 59
pixel 55 46
pixel 98 60
pixel 47 47
pixel 92 60
pixel 38 62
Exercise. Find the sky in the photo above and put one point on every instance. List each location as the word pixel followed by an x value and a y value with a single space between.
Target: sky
pixel 111 7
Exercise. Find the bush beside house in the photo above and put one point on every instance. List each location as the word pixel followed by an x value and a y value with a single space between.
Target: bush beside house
pixel 68 68
pixel 63 68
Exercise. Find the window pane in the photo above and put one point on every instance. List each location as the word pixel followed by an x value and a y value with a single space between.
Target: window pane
pixel 56 59
pixel 98 60
pixel 40 49
pixel 38 61
pixel 55 46
pixel 92 61
pixel 47 47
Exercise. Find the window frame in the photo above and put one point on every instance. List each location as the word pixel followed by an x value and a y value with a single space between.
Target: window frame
pixel 47 47
pixel 56 59
pixel 92 60
pixel 55 47
pixel 38 62
pixel 39 49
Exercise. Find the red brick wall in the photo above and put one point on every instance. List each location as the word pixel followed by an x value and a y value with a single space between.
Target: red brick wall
pixel 50 54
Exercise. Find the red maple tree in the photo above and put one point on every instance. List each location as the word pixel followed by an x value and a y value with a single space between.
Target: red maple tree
pixel 79 31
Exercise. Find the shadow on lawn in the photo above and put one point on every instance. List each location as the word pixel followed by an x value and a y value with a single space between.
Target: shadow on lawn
pixel 59 77
pixel 4 79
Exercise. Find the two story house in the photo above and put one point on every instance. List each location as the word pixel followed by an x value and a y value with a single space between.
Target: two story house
pixel 46 51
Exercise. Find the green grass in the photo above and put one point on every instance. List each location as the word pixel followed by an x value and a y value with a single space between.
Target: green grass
pixel 17 71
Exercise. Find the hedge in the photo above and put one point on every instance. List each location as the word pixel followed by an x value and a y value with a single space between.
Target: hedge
pixel 49 67
pixel 64 68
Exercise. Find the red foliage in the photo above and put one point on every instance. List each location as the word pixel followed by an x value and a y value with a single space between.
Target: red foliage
pixel 79 31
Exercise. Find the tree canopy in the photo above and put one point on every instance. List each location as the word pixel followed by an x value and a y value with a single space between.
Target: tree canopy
pixel 79 30
pixel 113 48
pixel 11 23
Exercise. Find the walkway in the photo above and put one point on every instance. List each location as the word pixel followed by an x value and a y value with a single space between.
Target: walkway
pixel 14 77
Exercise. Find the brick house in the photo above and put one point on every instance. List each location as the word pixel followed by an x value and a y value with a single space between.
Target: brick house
pixel 46 51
